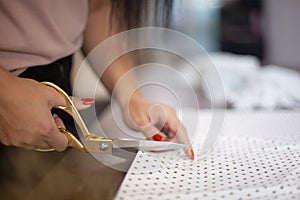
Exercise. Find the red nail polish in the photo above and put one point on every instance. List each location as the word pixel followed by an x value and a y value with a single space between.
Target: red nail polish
pixel 192 154
pixel 158 137
pixel 88 101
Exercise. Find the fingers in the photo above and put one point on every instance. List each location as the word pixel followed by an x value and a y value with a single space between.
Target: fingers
pixel 174 129
pixel 162 122
pixel 190 153
pixel 58 100
pixel 82 104
pixel 152 122
pixel 157 122
pixel 41 145
pixel 144 125
pixel 30 143
pixel 55 138
pixel 55 99
pixel 152 133
pixel 34 141
pixel 28 121
pixel 181 136
pixel 58 121
pixel 59 140
pixel 52 136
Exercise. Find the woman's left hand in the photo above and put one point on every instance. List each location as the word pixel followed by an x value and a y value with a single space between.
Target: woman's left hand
pixel 156 121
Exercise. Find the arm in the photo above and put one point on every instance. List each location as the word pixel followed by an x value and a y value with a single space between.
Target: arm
pixel 139 114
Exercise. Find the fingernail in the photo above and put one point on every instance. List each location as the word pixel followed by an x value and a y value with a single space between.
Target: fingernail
pixel 88 101
pixel 192 154
pixel 158 137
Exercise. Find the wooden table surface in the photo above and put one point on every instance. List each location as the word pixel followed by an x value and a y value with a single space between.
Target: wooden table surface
pixel 67 175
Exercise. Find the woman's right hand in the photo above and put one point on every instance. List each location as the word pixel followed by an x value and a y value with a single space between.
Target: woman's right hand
pixel 25 114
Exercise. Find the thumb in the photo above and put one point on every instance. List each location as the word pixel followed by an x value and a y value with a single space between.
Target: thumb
pixel 152 133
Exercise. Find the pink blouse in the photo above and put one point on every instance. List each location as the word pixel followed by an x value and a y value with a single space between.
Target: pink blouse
pixel 37 32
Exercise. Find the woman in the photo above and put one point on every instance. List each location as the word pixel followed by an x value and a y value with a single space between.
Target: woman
pixel 36 41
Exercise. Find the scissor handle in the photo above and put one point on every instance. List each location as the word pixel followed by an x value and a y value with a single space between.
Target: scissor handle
pixel 92 143
pixel 72 111
pixel 72 141
pixel 70 108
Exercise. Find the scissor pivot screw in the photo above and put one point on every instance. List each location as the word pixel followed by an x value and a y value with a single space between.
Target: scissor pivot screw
pixel 103 146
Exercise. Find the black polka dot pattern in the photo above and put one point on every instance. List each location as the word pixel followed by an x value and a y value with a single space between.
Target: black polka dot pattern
pixel 240 167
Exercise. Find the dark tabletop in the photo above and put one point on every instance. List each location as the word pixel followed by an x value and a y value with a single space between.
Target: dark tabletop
pixel 52 175
pixel 56 175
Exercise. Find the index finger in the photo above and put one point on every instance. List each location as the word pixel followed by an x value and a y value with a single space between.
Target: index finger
pixel 181 136
pixel 56 139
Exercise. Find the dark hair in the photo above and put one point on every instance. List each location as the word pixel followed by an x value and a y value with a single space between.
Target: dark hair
pixel 135 13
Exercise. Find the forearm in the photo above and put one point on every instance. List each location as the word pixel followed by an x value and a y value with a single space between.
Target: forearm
pixel 100 27
pixel 119 80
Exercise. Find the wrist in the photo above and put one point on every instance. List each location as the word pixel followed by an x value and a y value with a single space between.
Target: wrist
pixel 6 79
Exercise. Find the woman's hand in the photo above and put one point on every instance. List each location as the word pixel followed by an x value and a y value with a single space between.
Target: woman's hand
pixel 25 115
pixel 157 121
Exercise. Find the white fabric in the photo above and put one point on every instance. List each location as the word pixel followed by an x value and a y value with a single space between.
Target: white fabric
pixel 256 158
pixel 249 85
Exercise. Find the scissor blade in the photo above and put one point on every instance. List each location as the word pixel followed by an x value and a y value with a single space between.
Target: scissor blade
pixel 146 145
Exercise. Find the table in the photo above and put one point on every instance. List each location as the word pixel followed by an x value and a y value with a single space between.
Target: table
pixel 67 175
pixel 55 175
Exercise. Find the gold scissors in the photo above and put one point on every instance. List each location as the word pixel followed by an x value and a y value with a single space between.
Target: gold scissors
pixel 97 144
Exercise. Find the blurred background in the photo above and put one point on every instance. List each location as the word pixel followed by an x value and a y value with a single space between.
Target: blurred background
pixel 267 29
pixel 254 44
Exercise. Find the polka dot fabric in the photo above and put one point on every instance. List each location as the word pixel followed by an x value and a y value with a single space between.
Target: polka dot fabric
pixel 263 163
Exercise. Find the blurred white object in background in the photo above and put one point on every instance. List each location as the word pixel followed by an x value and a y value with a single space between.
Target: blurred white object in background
pixel 248 85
